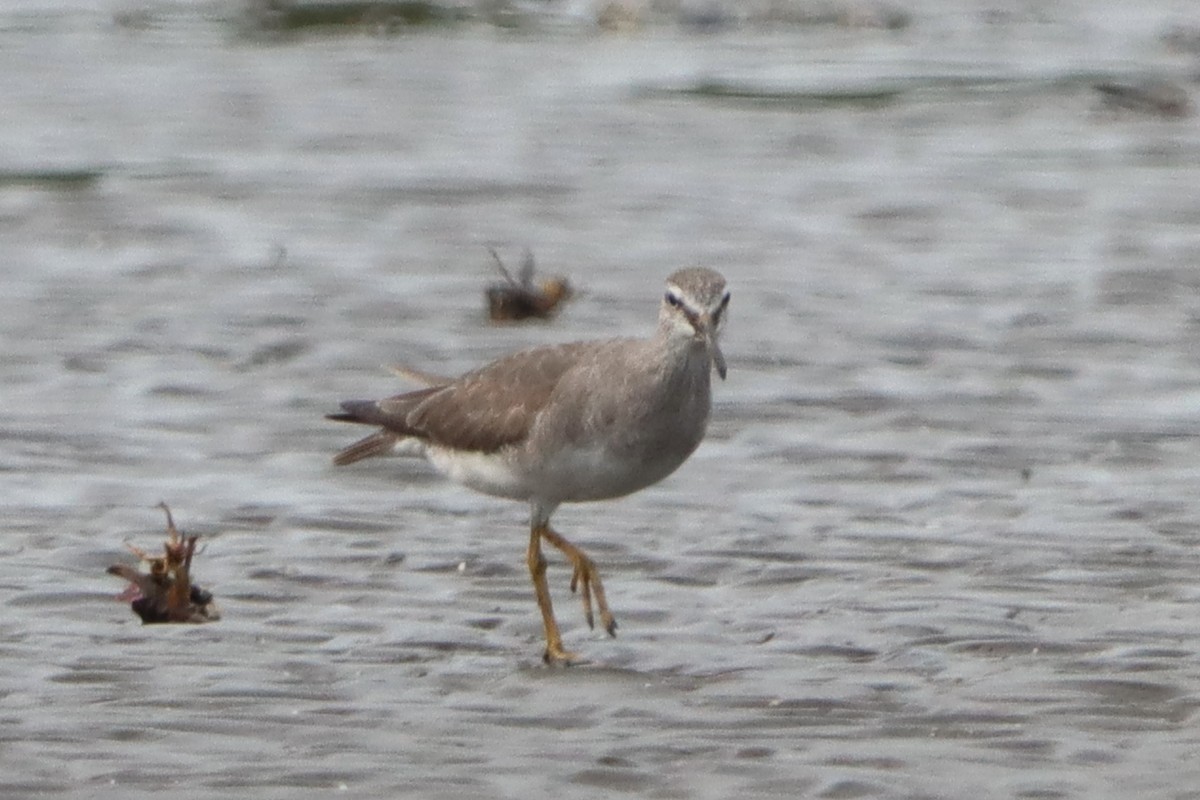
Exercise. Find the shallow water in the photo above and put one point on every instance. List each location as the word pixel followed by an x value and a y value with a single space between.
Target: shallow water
pixel 941 541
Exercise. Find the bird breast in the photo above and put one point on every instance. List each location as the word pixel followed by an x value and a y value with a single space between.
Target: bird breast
pixel 610 435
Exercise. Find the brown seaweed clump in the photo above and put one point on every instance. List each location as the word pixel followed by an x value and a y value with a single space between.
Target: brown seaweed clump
pixel 166 593
pixel 515 299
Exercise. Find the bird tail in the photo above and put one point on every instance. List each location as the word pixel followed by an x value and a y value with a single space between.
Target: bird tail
pixel 386 416
pixel 379 443
pixel 364 412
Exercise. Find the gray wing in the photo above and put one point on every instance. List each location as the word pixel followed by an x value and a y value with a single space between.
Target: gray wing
pixel 494 406
pixel 483 411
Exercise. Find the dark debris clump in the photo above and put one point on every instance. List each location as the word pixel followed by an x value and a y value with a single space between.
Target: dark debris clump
pixel 166 593
pixel 519 298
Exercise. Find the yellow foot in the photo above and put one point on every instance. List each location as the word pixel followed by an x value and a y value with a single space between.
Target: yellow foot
pixel 588 578
pixel 556 656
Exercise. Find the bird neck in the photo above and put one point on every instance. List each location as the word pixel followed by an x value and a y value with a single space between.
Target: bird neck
pixel 686 357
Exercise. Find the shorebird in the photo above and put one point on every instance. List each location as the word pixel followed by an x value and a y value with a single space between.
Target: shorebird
pixel 565 424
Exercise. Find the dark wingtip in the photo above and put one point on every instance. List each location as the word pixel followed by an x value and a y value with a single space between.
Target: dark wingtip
pixel 355 411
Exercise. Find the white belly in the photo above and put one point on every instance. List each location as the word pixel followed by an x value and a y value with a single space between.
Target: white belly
pixel 489 473
pixel 570 475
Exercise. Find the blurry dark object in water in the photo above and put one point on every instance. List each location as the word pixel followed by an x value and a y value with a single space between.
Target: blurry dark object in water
pixel 1155 96
pixel 842 14
pixel 1182 39
pixel 166 593
pixel 711 16
pixel 61 179
pixel 275 17
pixel 868 97
pixel 519 298
pixel 620 16
pixel 294 16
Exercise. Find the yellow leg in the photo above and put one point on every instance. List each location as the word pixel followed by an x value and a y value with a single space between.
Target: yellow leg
pixel 537 571
pixel 586 576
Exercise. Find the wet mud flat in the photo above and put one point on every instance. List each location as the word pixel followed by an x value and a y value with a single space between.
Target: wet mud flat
pixel 941 541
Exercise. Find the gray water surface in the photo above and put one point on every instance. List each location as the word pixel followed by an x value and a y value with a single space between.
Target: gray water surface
pixel 942 540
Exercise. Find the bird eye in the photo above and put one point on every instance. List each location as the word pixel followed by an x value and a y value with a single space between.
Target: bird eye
pixel 673 300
